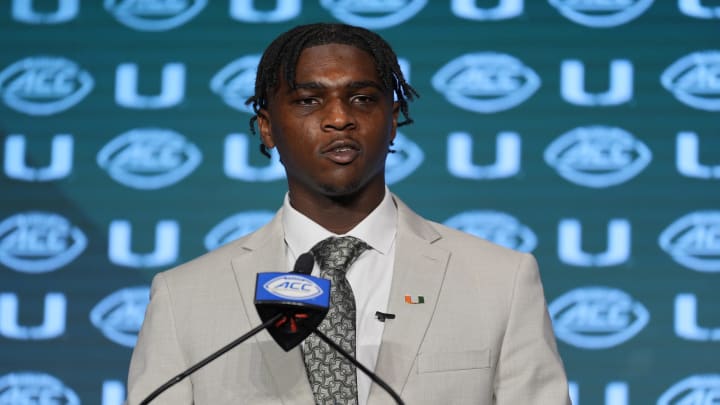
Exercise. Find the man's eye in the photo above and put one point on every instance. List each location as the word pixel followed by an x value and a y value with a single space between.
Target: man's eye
pixel 363 99
pixel 306 101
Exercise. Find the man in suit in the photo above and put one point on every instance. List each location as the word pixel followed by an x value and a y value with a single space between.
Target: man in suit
pixel 471 324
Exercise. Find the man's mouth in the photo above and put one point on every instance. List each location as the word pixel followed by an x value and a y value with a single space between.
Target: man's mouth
pixel 341 152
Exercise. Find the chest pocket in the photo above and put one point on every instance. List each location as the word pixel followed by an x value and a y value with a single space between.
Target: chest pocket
pixel 449 361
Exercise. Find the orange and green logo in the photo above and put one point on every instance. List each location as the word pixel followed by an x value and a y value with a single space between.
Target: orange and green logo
pixel 418 299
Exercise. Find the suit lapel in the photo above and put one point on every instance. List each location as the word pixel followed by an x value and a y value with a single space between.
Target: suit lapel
pixel 266 253
pixel 419 271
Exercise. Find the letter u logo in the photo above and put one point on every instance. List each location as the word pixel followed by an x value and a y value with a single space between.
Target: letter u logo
pixel 167 236
pixel 53 324
pixel 61 159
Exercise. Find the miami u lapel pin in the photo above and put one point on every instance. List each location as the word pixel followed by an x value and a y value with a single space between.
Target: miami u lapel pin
pixel 417 299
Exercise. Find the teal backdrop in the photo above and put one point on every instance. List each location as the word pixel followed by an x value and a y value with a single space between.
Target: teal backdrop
pixel 586 132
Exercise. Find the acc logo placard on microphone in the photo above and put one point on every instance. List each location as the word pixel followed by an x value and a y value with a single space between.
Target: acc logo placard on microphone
pixel 293 287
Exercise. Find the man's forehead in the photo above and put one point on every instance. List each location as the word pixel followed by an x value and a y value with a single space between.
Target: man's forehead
pixel 361 71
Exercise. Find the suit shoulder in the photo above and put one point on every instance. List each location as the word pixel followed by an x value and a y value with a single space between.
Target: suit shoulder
pixel 209 264
pixel 454 236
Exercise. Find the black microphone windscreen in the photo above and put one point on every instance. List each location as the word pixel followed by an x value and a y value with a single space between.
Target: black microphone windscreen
pixel 304 263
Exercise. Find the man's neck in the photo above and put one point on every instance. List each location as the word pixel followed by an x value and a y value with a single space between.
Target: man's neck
pixel 336 214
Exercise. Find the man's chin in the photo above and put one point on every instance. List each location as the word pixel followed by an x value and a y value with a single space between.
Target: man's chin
pixel 341 190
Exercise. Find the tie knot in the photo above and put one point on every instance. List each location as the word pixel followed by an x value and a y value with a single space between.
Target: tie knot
pixel 337 253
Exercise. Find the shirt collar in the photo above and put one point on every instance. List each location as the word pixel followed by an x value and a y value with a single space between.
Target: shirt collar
pixel 377 229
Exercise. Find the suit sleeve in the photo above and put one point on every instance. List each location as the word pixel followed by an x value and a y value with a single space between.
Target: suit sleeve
pixel 530 370
pixel 157 356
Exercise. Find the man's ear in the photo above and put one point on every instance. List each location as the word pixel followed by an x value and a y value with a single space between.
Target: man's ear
pixel 263 122
pixel 395 113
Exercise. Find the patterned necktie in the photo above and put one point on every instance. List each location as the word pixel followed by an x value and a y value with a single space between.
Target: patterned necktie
pixel 333 378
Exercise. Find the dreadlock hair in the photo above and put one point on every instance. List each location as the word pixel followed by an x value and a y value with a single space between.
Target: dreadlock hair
pixel 282 55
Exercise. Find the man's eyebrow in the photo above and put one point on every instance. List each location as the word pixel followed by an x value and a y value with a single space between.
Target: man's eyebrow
pixel 359 84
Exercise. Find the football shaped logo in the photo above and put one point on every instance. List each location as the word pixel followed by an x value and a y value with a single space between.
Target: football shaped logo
pixel 120 315
pixel 486 82
pixel 696 389
pixel 601 13
pixel 693 80
pixel 373 14
pixel 497 227
pixel 39 242
pixel 407 158
pixel 235 83
pixel 235 227
pixel 694 241
pixel 597 317
pixel 154 15
pixel 149 158
pixel 293 287
pixel 44 85
pixel 597 156
pixel 35 388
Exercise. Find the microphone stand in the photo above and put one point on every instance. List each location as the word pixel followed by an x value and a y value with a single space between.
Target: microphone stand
pixel 359 365
pixel 210 358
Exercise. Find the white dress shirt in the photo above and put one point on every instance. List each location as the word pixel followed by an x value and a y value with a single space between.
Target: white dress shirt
pixel 370 276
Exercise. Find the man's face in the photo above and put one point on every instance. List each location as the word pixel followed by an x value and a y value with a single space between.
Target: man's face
pixel 334 129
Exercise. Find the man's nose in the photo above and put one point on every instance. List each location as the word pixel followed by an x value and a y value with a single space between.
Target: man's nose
pixel 338 115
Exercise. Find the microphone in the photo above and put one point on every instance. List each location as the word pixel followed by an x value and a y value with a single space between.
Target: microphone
pixel 301 300
pixel 276 312
pixel 291 306
pixel 304 264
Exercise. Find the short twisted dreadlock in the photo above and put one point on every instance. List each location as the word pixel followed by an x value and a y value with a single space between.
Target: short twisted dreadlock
pixel 284 52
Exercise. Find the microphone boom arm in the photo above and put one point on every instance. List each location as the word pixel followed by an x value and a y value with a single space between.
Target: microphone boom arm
pixel 210 358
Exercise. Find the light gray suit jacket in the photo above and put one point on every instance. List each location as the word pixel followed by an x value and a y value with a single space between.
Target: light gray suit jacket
pixel 482 336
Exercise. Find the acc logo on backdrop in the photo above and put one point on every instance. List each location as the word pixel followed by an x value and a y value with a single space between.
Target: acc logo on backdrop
pixel 694 8
pixel 693 79
pixel 373 14
pixel 23 11
pixel 35 388
pixel 235 227
pixel 497 227
pixel 149 158
pixel 597 156
pixel 486 82
pixel 601 13
pixel 154 15
pixel 44 85
pixel 504 10
pixel 694 241
pixel 120 315
pixel 39 242
pixel 407 158
pixel 236 82
pixel 597 317
pixel 697 389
